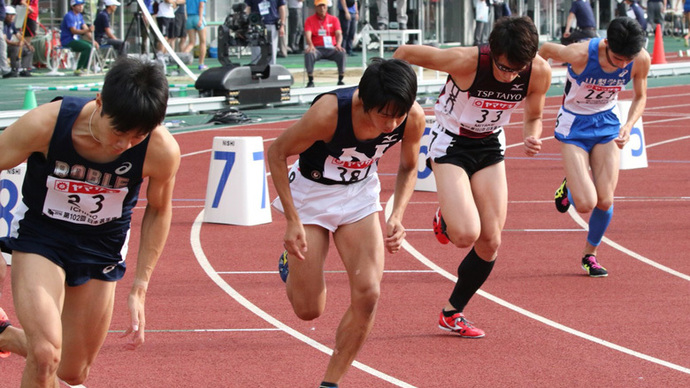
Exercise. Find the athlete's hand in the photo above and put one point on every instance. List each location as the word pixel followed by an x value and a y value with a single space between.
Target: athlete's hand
pixel 532 145
pixel 135 303
pixel 395 235
pixel 295 240
pixel 623 137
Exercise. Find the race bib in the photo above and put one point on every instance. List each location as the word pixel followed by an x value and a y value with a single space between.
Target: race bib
pixel 484 115
pixel 348 171
pixel 82 203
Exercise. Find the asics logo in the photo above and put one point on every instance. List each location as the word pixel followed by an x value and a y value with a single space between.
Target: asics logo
pixel 124 168
pixel 109 268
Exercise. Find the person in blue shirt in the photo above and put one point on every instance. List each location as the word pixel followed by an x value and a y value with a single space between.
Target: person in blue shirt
pixel 581 13
pixel 588 125
pixel 104 33
pixel 196 26
pixel 76 35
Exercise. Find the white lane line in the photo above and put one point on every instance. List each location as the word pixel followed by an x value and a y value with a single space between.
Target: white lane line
pixel 275 272
pixel 529 314
pixel 580 221
pixel 195 241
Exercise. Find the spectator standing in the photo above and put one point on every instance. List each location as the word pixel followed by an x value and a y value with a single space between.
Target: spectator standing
pixel 104 33
pixel 296 26
pixel 482 16
pixel 14 42
pixel 323 37
pixel 165 17
pixel 196 27
pixel 273 14
pixel 4 65
pixel 180 21
pixel 655 12
pixel 348 15
pixel 31 19
pixel 580 13
pixel 401 17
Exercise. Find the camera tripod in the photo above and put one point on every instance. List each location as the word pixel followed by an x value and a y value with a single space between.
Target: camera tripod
pixel 142 39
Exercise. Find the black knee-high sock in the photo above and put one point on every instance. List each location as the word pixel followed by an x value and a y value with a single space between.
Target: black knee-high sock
pixel 472 273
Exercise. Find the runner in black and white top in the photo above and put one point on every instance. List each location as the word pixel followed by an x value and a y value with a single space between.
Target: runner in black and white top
pixel 86 161
pixel 485 85
pixel 334 189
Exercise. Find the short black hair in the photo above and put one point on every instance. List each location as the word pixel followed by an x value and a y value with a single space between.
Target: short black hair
pixel 625 36
pixel 516 37
pixel 135 95
pixel 388 83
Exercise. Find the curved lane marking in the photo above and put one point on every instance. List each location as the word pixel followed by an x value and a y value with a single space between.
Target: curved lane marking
pixel 195 241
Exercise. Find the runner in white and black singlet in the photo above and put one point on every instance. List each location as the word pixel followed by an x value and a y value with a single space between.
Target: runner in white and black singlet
pixel 486 84
pixel 87 159
pixel 334 189
pixel 589 127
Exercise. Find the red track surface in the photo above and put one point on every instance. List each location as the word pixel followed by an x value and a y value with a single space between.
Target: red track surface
pixel 628 329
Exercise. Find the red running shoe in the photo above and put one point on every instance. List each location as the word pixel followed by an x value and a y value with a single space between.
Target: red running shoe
pixel 4 322
pixel 440 228
pixel 458 324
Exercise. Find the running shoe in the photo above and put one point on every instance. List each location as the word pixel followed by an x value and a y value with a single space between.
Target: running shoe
pixel 4 322
pixel 283 266
pixel 440 228
pixel 561 198
pixel 593 268
pixel 458 324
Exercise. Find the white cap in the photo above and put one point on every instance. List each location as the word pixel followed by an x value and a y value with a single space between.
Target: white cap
pixel 111 2
pixel 10 10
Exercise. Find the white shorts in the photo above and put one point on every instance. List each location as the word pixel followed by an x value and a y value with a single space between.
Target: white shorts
pixel 330 206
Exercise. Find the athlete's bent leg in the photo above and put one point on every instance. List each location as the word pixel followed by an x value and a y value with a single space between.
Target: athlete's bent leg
pixel 457 204
pixel 361 249
pixel 306 285
pixel 86 318
pixel 38 291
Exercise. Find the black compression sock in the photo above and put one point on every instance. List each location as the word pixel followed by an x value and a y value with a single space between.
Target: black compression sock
pixel 326 384
pixel 472 273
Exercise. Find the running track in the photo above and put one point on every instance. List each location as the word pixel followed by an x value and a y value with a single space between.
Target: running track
pixel 218 315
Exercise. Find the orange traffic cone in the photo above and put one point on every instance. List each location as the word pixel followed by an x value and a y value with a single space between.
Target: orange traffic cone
pixel 658 55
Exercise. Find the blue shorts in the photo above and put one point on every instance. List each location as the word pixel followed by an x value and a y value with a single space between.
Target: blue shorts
pixel 192 21
pixel 586 131
pixel 82 257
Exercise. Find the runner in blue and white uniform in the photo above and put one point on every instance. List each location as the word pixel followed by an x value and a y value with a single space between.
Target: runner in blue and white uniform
pixel 588 126
pixel 86 162
pixel 485 86
pixel 334 189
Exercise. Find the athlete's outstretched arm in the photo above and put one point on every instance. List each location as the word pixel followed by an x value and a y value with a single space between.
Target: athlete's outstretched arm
pixel 406 177
pixel 160 166
pixel 318 123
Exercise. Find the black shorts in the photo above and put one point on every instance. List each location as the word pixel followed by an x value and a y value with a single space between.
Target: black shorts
pixel 31 26
pixel 467 153
pixel 167 27
pixel 82 257
pixel 180 31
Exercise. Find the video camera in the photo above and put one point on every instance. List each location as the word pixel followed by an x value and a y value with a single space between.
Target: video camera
pixel 241 29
